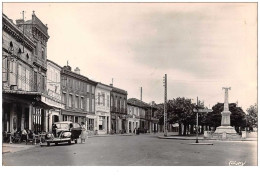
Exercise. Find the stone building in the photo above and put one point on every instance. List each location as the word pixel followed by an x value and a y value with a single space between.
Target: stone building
pixel 137 115
pixel 153 122
pixel 78 95
pixel 141 115
pixel 133 116
pixel 54 90
pixel 25 100
pixel 118 110
pixel 103 125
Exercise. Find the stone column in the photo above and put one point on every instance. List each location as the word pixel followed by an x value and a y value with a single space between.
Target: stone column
pixel 105 124
pixel 22 117
pixel 225 121
pixel 30 116
pixel 225 131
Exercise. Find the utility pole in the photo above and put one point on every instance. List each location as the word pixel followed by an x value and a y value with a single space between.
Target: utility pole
pixel 197 128
pixel 165 104
pixel 141 98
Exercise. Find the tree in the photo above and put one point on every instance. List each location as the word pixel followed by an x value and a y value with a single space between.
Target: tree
pixel 237 117
pixel 251 117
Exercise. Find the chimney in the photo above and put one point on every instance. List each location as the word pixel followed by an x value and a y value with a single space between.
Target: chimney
pixel 112 82
pixel 141 93
pixel 67 67
pixel 19 21
pixel 77 70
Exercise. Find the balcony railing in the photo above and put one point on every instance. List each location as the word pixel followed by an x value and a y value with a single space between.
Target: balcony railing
pixel 119 110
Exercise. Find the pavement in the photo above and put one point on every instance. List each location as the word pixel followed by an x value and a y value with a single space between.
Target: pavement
pixel 11 148
pixel 135 150
pixel 174 135
pixel 202 138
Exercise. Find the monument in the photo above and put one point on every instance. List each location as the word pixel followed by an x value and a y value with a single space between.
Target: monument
pixel 225 131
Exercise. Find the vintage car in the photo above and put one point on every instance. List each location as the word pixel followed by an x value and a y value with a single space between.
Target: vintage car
pixel 66 131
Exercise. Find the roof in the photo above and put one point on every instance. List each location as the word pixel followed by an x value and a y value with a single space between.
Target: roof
pixel 118 90
pixel 54 63
pixel 16 32
pixel 138 103
pixel 67 71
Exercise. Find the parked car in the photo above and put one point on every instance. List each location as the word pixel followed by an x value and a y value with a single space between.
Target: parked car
pixel 66 131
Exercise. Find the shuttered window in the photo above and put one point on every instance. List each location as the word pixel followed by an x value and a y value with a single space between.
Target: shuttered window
pixel 19 84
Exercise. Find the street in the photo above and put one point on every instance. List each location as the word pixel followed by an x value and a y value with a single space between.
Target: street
pixel 145 149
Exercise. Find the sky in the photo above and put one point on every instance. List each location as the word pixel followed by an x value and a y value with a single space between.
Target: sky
pixel 202 47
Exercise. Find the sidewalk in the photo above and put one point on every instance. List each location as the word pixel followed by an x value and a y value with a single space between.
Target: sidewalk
pixel 11 148
pixel 176 137
pixel 113 135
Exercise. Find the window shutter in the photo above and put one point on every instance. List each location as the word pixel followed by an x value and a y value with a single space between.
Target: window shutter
pixel 19 77
pixel 27 80
pixel 4 70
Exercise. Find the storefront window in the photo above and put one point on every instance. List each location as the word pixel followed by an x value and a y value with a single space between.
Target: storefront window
pixel 90 125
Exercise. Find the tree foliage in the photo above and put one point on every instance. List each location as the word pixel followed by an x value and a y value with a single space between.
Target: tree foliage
pixel 237 117
pixel 251 117
pixel 180 110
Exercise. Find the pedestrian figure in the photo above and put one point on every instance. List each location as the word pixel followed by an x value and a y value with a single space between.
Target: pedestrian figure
pixel 24 135
pixel 54 129
pixel 83 133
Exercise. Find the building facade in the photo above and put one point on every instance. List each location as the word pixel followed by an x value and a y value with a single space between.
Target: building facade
pixel 137 115
pixel 133 116
pixel 102 97
pixel 78 95
pixel 118 110
pixel 24 93
pixel 153 121
pixel 141 116
pixel 54 90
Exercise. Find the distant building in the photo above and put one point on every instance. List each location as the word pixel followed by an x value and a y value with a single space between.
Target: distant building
pixel 78 95
pixel 137 115
pixel 133 116
pixel 25 99
pixel 103 108
pixel 118 110
pixel 141 116
pixel 153 121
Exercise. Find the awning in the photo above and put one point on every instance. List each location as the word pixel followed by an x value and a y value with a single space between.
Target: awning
pixel 73 113
pixel 32 97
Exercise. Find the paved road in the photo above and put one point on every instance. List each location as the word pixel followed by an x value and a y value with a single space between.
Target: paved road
pixel 145 150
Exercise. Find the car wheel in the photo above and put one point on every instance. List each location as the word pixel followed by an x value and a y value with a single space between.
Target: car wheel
pixel 76 141
pixel 48 143
pixel 69 142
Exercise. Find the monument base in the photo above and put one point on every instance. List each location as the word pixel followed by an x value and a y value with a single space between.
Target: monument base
pixel 226 132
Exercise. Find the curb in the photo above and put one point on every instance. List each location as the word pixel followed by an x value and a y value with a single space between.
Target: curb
pixel 200 143
pixel 179 138
pixel 224 140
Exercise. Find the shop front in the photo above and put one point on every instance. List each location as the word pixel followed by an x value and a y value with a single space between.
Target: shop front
pixel 133 124
pixel 73 116
pixel 24 110
pixel 91 123
pixel 103 123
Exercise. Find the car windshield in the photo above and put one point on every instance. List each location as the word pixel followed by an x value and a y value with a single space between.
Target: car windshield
pixel 76 125
pixel 63 126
